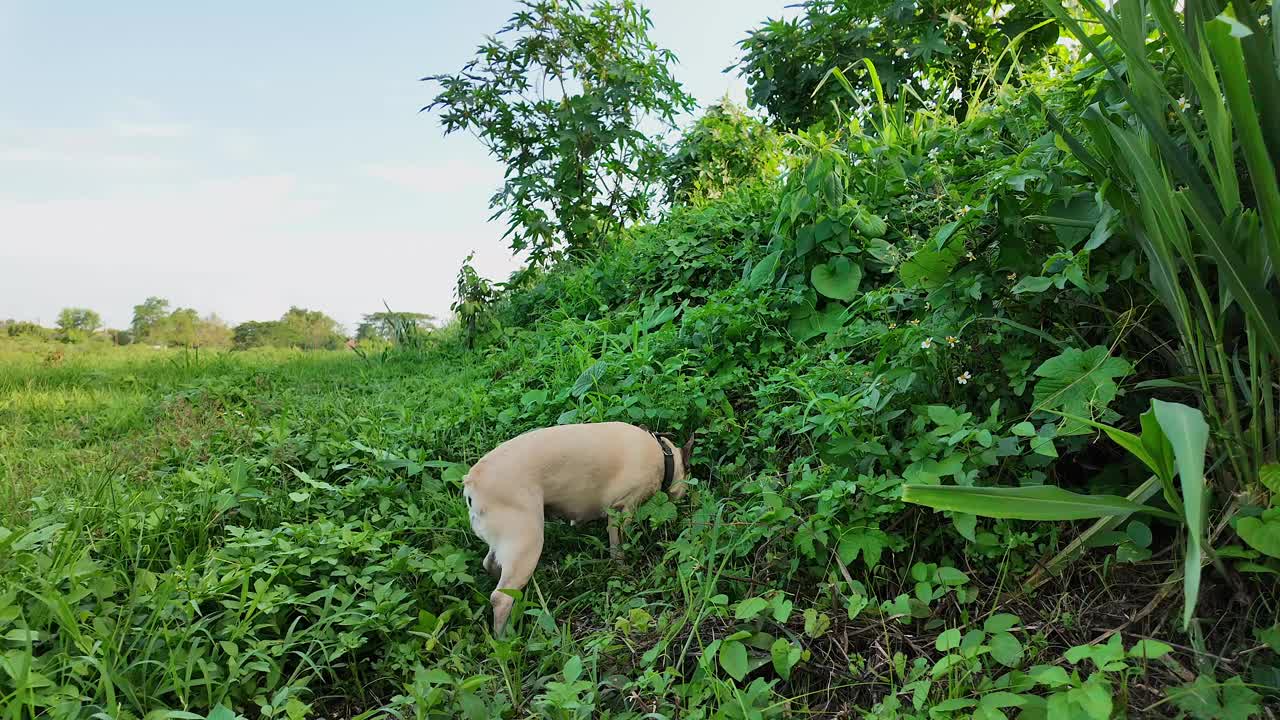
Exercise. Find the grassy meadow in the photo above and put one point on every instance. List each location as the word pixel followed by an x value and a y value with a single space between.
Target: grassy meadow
pixel 979 329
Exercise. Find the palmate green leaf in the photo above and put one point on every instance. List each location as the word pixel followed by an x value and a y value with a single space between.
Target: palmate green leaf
pixel 1188 433
pixel 1207 699
pixel 930 266
pixel 1078 382
pixel 1040 502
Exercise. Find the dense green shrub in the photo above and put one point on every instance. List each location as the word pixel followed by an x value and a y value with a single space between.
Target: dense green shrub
pixel 559 95
pixel 726 146
pixel 922 51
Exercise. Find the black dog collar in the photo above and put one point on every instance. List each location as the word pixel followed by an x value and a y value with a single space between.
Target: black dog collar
pixel 668 463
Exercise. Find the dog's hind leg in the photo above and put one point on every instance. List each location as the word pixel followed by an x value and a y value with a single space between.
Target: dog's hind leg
pixel 517 555
pixel 491 564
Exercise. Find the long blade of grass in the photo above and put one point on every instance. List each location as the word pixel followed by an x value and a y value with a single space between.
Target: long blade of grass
pixel 1076 547
pixel 1039 502
pixel 1227 50
pixel 1189 434
pixel 1136 62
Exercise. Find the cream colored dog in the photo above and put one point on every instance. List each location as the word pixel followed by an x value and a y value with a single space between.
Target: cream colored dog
pixel 578 472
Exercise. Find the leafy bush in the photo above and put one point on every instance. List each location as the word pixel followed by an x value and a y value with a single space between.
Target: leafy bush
pixel 559 95
pixel 297 328
pixel 724 147
pixel 917 48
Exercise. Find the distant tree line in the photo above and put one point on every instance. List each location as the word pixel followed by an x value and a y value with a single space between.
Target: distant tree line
pixel 156 323
pixel 297 328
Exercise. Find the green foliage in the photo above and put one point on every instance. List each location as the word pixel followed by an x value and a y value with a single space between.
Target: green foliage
pixel 297 328
pixel 1198 190
pixel 77 324
pixel 726 146
pixel 20 328
pixel 472 295
pixel 559 95
pixel 921 52
pixel 920 305
pixel 148 315
pixel 388 326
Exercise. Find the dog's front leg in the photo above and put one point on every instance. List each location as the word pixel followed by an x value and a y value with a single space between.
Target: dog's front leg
pixel 618 521
pixel 615 538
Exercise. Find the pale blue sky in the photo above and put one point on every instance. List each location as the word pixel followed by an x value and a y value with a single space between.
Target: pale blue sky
pixel 240 157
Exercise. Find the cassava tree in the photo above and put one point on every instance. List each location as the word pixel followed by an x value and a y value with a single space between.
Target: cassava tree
pixel 563 95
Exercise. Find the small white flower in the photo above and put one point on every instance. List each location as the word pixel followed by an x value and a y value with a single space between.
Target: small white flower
pixel 955 95
pixel 933 154
pixel 970 255
pixel 926 343
pixel 965 210
pixel 1183 105
pixel 953 340
pixel 964 378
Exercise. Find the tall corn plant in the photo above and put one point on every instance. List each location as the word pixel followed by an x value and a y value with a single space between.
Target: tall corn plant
pixel 1206 214
pixel 1204 206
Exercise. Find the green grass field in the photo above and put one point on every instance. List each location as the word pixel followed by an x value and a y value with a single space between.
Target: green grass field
pixel 281 534
pixel 985 386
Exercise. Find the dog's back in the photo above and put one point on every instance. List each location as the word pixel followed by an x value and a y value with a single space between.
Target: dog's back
pixel 577 471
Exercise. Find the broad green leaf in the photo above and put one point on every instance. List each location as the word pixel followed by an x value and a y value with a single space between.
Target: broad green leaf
pixel 1207 699
pixel 1189 435
pixel 930 266
pixel 1269 476
pixel 749 608
pixel 588 379
pixel 1000 622
pixel 949 640
pixel 946 707
pixel 1006 649
pixel 221 712
pixel 733 658
pixel 1079 382
pixel 573 669
pixel 764 271
pixel 1041 502
pixel 1235 27
pixel 837 279
pixel 1261 533
pixel 1149 649
pixel 785 656
pixel 1032 284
